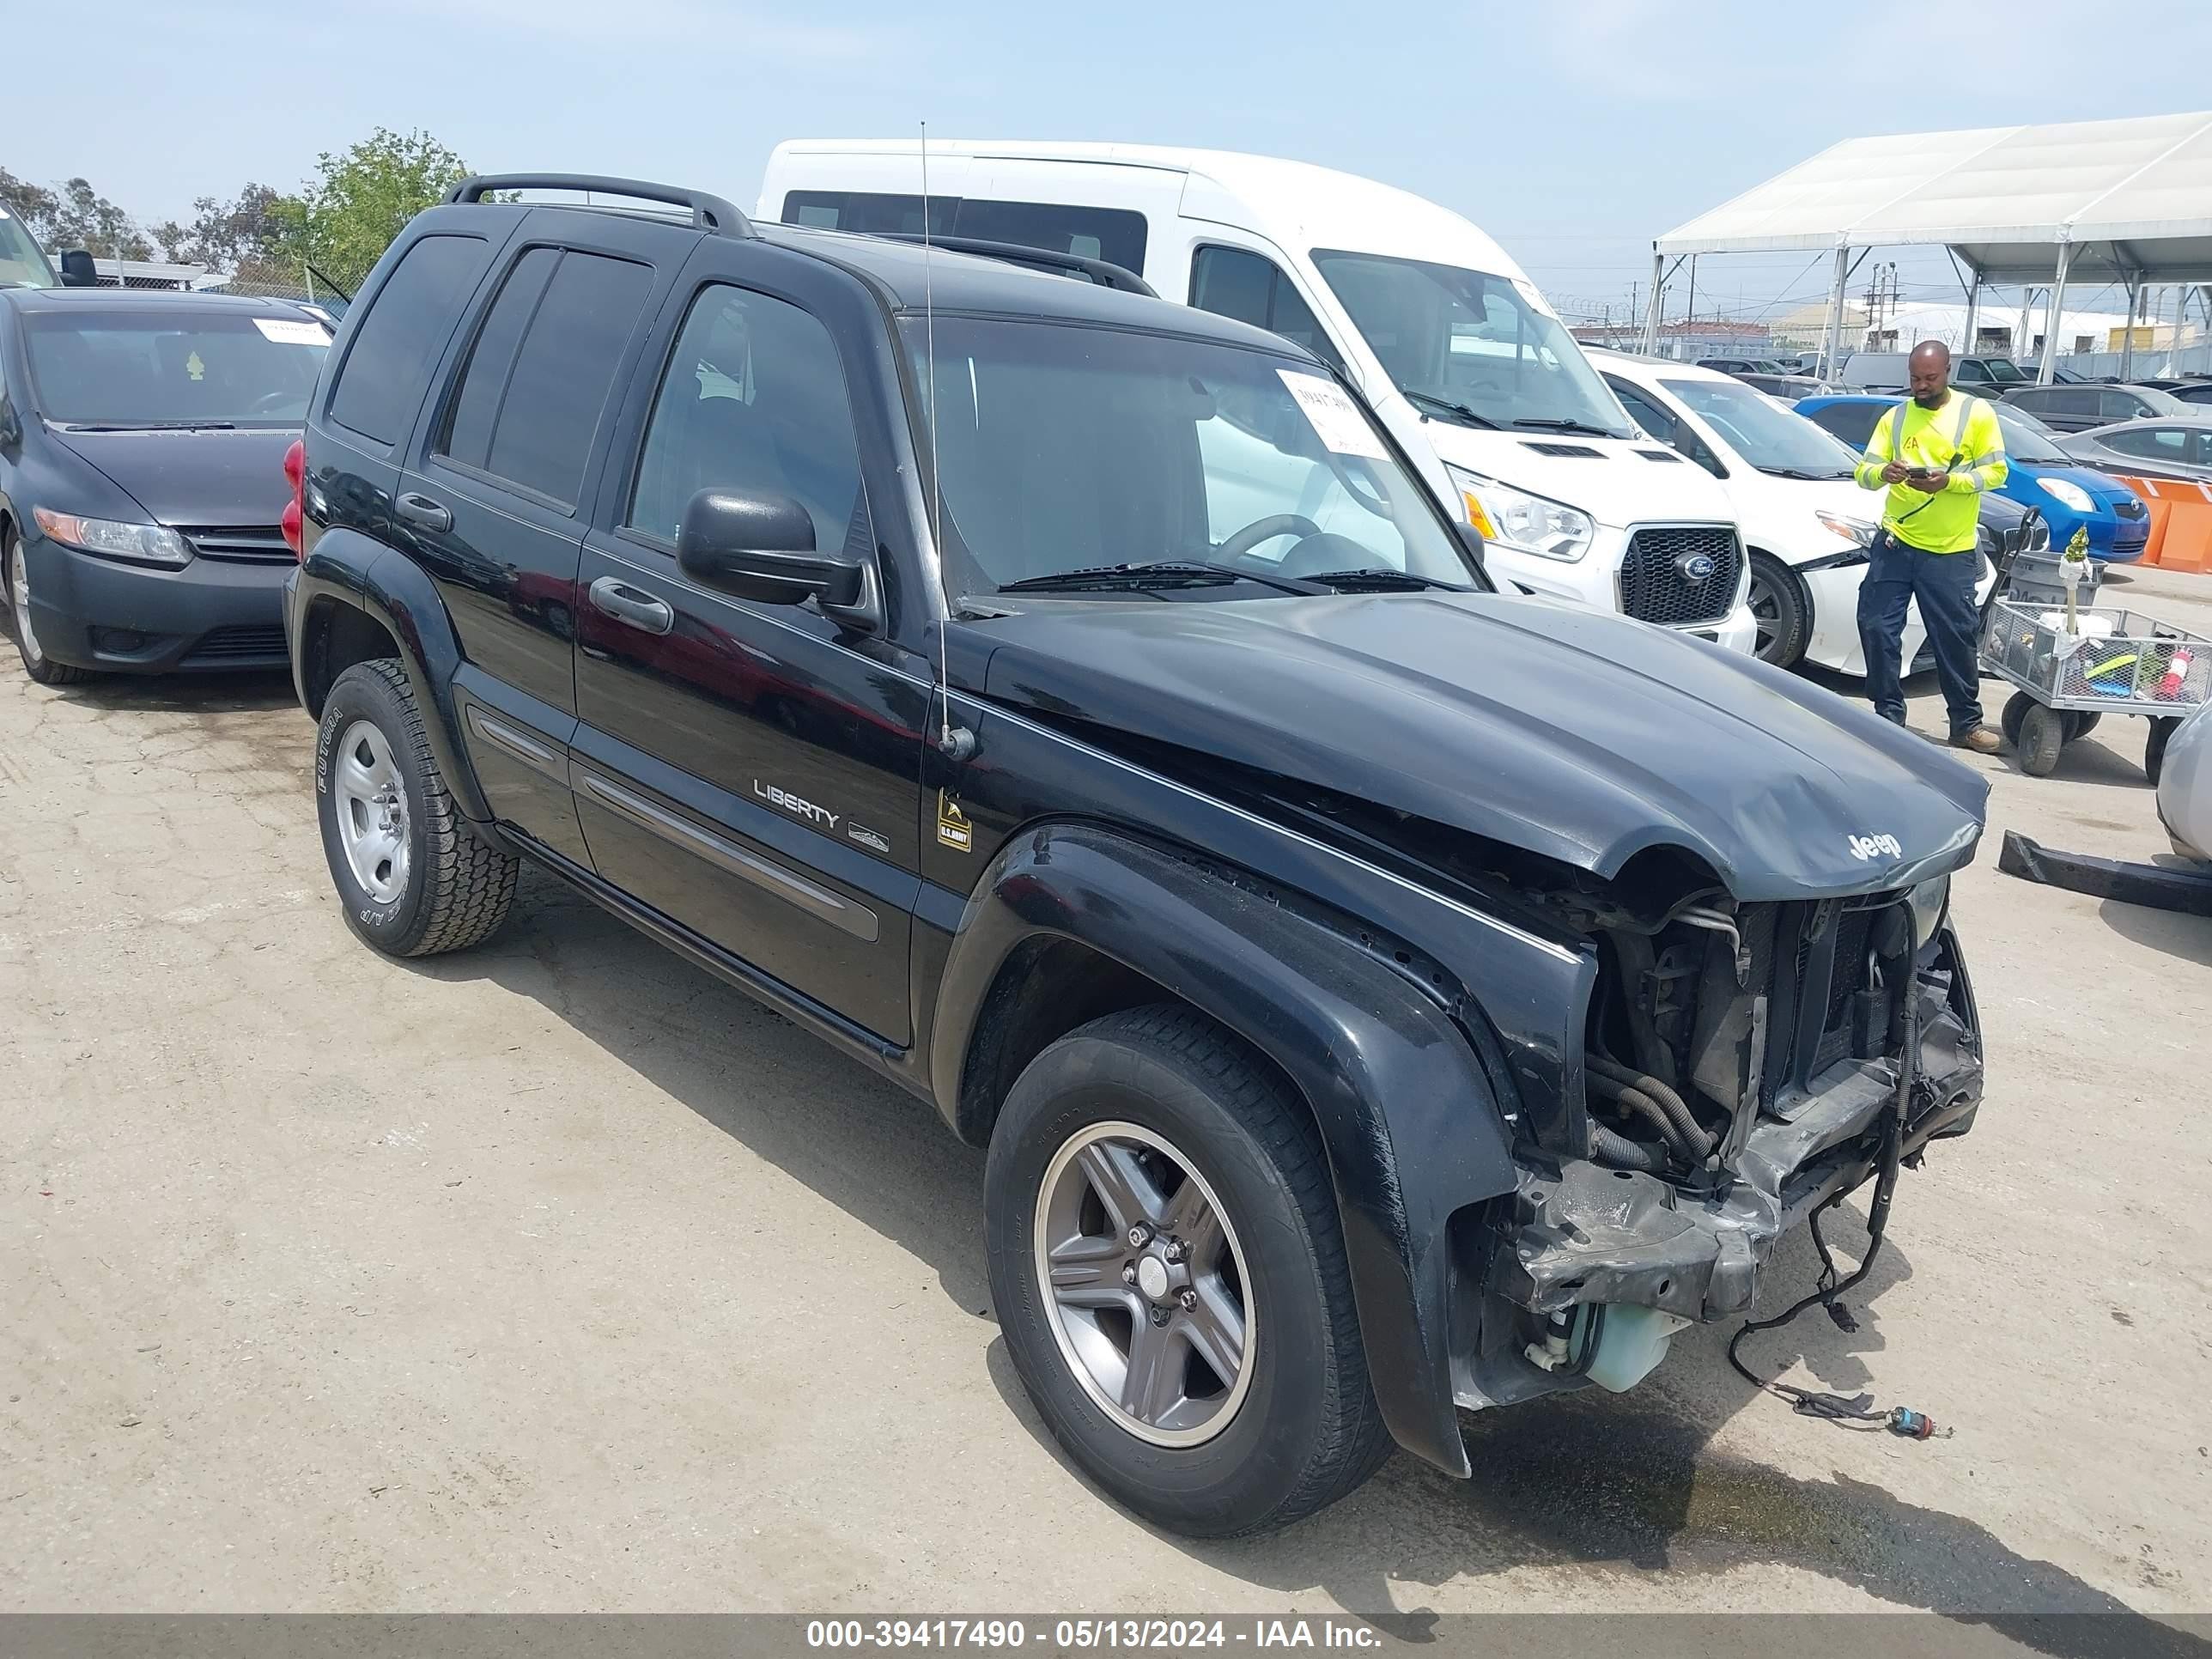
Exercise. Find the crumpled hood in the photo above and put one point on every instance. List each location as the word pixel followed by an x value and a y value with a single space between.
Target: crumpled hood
pixel 187 477
pixel 1570 732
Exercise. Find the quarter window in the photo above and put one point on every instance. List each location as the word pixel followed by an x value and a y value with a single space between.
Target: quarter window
pixel 753 401
pixel 539 376
pixel 380 382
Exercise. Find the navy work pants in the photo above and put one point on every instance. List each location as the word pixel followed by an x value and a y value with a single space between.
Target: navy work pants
pixel 1944 585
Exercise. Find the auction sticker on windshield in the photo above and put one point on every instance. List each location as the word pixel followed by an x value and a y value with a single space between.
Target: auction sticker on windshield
pixel 1336 419
pixel 284 331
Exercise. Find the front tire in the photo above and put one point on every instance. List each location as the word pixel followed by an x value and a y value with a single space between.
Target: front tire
pixel 15 576
pixel 1206 1370
pixel 1777 604
pixel 415 876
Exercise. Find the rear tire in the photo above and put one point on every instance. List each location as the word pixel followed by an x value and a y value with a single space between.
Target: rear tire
pixel 1157 1099
pixel 2080 722
pixel 2042 735
pixel 15 580
pixel 1777 604
pixel 2016 711
pixel 414 876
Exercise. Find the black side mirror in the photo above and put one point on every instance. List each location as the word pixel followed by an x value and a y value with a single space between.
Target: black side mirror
pixel 1470 543
pixel 762 547
pixel 78 271
pixel 11 429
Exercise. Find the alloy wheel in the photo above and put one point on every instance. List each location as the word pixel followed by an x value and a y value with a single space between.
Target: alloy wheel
pixel 1145 1285
pixel 1766 611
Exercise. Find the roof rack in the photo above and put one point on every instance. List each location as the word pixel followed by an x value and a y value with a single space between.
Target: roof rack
pixel 1049 260
pixel 708 213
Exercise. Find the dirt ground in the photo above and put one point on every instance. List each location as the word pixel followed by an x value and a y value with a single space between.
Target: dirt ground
pixel 558 1276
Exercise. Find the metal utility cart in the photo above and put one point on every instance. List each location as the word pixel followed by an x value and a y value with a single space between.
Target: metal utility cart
pixel 2066 683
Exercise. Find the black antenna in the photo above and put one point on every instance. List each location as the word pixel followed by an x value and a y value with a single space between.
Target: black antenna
pixel 958 745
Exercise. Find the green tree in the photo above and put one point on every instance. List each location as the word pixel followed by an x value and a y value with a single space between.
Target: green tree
pixel 343 219
pixel 225 235
pixel 76 215
pixel 32 203
pixel 86 219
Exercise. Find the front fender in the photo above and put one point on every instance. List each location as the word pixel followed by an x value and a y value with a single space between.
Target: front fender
pixel 346 568
pixel 1411 1124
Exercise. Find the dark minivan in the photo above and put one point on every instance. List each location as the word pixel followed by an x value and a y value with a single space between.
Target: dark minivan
pixel 1379 995
pixel 142 436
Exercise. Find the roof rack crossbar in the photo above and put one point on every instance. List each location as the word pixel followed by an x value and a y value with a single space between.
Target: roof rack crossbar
pixel 708 213
pixel 1103 272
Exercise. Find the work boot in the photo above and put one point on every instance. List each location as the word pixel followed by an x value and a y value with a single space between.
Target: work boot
pixel 1979 738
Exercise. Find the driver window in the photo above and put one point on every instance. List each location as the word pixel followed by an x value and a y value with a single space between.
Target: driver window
pixel 1231 283
pixel 753 400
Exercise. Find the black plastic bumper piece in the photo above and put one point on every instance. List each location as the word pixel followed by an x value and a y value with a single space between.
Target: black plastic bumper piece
pixel 210 616
pixel 2155 886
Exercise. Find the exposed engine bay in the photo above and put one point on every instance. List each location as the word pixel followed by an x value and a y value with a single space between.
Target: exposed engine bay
pixel 1743 1065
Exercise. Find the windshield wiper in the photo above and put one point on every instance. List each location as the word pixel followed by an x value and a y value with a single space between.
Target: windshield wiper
pixel 148 426
pixel 1548 423
pixel 1382 576
pixel 1157 573
pixel 1802 476
pixel 1449 410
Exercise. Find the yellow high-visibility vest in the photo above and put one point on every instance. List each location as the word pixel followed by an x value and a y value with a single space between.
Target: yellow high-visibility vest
pixel 1961 438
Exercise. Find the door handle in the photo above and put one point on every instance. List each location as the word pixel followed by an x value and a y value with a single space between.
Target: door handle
pixel 613 596
pixel 421 509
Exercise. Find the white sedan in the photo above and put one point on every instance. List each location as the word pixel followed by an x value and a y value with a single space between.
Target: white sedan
pixel 1806 525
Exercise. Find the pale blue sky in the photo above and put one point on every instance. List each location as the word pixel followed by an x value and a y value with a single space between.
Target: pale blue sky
pixel 1573 130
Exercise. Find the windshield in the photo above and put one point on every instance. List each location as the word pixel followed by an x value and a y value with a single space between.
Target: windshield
pixel 1771 440
pixel 20 259
pixel 1448 336
pixel 2024 440
pixel 1063 448
pixel 172 366
pixel 2004 371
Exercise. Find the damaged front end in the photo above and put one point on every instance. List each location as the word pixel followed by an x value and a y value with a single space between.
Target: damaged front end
pixel 1743 1065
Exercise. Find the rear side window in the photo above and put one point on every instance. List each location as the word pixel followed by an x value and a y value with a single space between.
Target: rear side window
pixel 1231 282
pixel 538 376
pixel 380 382
pixel 1113 234
pixel 2154 443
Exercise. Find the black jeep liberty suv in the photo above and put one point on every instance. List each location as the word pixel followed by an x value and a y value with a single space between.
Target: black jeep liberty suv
pixel 1379 996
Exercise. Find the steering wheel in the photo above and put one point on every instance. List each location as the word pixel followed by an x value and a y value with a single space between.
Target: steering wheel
pixel 1265 529
pixel 1326 550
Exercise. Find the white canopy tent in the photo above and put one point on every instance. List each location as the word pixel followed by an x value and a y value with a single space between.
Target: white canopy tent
pixel 2127 202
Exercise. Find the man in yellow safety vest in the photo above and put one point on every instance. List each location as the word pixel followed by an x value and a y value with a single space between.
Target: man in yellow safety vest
pixel 1937 455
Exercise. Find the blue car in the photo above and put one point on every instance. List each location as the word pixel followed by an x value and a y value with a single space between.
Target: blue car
pixel 2071 496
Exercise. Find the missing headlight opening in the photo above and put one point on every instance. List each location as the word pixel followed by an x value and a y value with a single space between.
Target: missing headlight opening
pixel 1743 1068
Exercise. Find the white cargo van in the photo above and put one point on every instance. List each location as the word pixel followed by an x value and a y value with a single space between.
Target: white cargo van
pixel 1451 343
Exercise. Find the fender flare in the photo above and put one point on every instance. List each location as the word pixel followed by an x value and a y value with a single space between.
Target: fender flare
pixel 1407 1115
pixel 347 568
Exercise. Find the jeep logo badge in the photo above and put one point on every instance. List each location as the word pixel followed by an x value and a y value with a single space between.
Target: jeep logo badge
pixel 1695 567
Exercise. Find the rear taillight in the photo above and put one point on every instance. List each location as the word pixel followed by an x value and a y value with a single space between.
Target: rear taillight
pixel 295 470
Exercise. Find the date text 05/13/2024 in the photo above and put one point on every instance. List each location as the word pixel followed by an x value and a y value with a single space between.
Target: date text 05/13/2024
pixel 1065 1634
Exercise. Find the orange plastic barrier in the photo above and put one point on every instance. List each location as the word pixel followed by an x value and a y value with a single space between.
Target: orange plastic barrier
pixel 2180 523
